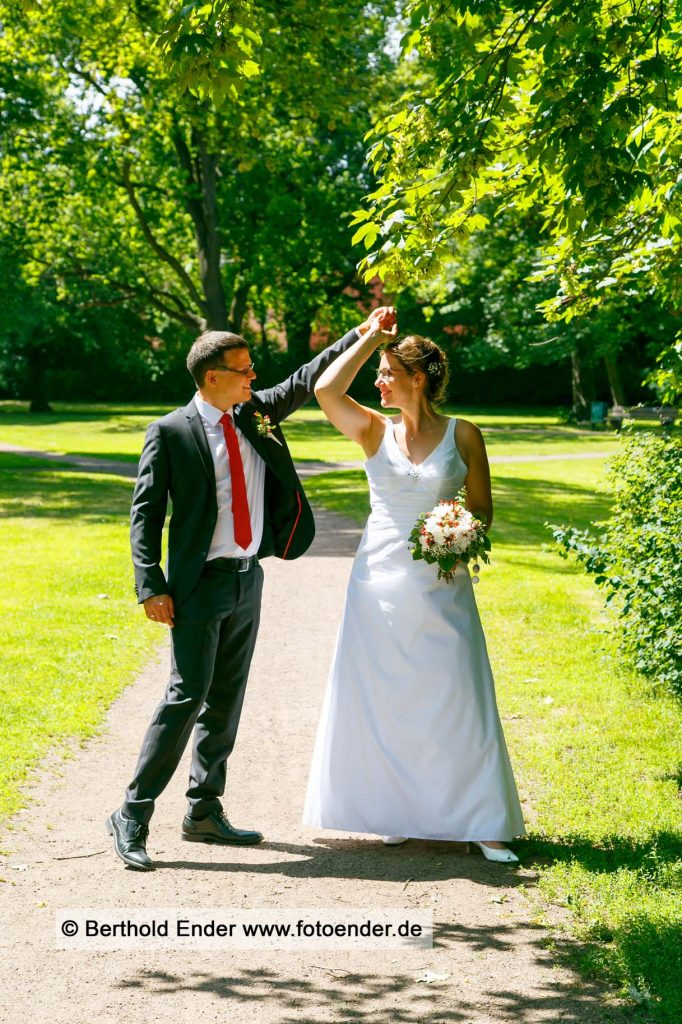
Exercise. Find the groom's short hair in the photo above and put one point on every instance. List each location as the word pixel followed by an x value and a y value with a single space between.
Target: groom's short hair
pixel 207 352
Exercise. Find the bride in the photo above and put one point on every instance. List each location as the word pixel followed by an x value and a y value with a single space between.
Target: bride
pixel 410 743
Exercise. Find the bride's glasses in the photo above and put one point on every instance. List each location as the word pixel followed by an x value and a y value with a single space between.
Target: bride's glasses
pixel 389 374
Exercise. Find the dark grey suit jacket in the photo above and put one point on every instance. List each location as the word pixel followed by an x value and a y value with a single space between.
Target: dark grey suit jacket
pixel 176 463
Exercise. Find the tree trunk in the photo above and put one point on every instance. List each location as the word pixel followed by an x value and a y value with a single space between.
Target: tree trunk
pixel 581 386
pixel 615 380
pixel 214 307
pixel 298 326
pixel 238 307
pixel 265 358
pixel 37 381
pixel 200 169
pixel 209 249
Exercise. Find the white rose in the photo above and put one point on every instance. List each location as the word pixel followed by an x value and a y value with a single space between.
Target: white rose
pixel 438 535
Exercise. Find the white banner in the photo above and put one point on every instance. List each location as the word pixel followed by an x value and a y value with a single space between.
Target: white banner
pixel 98 928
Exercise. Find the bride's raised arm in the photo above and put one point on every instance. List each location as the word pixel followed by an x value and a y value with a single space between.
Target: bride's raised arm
pixel 357 422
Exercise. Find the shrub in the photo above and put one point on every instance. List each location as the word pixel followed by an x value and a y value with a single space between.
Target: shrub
pixel 637 555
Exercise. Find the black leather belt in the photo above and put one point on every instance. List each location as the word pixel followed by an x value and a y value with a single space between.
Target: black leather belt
pixel 233 564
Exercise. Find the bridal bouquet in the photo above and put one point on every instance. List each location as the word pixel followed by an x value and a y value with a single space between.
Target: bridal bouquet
pixel 450 534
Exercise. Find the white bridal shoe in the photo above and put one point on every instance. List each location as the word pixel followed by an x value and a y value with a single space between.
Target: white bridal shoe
pixel 504 855
pixel 393 840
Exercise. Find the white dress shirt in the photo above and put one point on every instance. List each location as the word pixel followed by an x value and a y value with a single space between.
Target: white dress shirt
pixel 223 544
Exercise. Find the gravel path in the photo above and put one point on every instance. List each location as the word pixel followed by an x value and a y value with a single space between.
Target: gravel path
pixel 491 961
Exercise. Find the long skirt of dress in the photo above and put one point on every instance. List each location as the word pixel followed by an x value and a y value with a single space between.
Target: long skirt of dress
pixel 410 741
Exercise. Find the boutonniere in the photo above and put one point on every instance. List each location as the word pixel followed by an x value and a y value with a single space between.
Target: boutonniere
pixel 264 427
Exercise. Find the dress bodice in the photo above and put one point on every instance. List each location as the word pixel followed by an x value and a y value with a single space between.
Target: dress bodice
pixel 401 490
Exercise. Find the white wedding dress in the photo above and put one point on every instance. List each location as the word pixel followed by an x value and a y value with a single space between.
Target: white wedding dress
pixel 410 741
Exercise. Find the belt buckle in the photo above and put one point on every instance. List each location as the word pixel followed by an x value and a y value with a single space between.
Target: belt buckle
pixel 245 563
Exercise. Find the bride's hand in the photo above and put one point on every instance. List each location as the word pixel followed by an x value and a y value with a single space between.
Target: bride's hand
pixel 390 332
pixel 383 320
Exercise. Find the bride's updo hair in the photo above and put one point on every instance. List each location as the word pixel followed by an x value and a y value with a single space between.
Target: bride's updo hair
pixel 416 353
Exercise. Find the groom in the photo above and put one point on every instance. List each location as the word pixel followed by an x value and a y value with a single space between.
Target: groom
pixel 224 464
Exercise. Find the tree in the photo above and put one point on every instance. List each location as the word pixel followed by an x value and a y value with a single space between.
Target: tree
pixel 569 111
pixel 487 291
pixel 162 192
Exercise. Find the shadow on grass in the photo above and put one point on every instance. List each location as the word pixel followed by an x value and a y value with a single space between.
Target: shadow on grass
pixel 612 853
pixel 645 945
pixel 37 489
pixel 524 506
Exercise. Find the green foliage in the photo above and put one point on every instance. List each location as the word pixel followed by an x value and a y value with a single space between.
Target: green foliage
pixel 567 111
pixel 667 376
pixel 485 305
pixel 126 181
pixel 211 47
pixel 636 558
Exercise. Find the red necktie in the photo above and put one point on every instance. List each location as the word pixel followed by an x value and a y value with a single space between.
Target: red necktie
pixel 240 502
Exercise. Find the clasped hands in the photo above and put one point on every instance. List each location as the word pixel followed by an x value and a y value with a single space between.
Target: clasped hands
pixel 381 321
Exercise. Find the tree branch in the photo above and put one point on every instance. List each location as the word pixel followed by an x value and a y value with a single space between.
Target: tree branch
pixel 155 296
pixel 154 244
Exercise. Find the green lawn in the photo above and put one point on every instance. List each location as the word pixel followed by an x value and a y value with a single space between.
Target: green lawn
pixel 598 759
pixel 66 650
pixel 117 432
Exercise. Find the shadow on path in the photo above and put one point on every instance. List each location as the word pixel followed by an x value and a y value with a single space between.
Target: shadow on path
pixel 320 994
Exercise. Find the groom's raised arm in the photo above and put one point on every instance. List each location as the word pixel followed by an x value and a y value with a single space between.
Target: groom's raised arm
pixel 290 394
pixel 148 514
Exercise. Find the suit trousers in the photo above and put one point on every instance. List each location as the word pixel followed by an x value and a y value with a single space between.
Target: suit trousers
pixel 213 640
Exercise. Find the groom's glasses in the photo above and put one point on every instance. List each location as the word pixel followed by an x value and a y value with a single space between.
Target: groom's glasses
pixel 244 371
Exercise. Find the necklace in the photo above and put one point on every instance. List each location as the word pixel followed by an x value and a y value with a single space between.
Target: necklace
pixel 413 437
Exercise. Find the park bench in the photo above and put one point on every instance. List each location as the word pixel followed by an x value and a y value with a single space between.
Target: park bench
pixel 665 414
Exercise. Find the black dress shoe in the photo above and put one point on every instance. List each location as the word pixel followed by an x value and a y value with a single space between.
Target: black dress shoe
pixel 215 828
pixel 129 841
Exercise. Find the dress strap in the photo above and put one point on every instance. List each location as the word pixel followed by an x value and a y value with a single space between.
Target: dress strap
pixel 388 423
